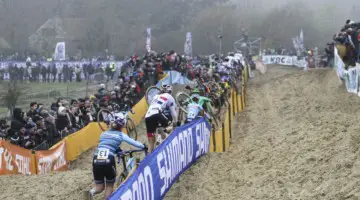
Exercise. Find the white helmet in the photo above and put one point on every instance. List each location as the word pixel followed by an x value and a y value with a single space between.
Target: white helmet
pixel 166 88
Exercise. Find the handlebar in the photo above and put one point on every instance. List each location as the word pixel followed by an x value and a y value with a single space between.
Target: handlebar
pixel 130 152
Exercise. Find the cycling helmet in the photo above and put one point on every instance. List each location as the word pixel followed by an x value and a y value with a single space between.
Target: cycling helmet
pixel 127 79
pixel 166 88
pixel 195 91
pixel 195 97
pixel 119 120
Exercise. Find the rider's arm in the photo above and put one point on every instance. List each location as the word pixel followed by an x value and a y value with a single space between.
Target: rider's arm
pixel 131 141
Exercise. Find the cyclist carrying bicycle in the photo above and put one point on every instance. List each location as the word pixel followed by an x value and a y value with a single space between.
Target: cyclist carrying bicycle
pixel 194 109
pixel 155 114
pixel 104 168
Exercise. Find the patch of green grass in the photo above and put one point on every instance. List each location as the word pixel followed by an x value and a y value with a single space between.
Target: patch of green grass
pixel 46 93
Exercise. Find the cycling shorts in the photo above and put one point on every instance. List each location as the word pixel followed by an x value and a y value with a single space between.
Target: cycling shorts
pixel 152 123
pixel 104 170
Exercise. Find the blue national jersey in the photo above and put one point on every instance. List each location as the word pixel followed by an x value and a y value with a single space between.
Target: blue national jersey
pixel 111 140
pixel 193 110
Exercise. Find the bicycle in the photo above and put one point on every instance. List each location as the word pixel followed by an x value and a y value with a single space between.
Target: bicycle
pixel 183 99
pixel 129 164
pixel 108 116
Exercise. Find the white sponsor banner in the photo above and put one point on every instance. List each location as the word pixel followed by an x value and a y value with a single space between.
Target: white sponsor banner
pixel 60 51
pixel 188 45
pixel 277 60
pixel 148 40
pixel 353 81
pixel 285 60
pixel 339 64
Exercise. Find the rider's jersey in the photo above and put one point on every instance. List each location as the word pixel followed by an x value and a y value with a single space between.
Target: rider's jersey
pixel 160 104
pixel 193 110
pixel 202 100
pixel 110 141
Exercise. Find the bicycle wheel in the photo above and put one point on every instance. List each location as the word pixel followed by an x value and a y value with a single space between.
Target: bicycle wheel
pixel 182 99
pixel 104 115
pixel 120 179
pixel 131 128
pixel 151 92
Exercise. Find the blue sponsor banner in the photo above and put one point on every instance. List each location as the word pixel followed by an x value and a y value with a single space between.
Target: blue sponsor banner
pixel 159 170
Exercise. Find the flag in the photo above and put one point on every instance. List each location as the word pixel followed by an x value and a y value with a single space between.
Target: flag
pixel 59 51
pixel 188 45
pixel 148 40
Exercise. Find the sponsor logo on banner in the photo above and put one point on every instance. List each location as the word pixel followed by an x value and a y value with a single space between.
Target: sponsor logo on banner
pixel 52 160
pixel 15 160
pixel 353 81
pixel 284 60
pixel 277 60
pixel 158 171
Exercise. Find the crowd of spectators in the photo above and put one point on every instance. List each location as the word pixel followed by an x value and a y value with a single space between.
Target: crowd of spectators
pixel 42 125
pixel 349 36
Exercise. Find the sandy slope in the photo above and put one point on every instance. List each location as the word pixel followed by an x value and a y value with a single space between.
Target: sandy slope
pixel 298 139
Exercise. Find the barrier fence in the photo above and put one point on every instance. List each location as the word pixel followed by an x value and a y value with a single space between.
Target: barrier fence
pixel 17 160
pixel 350 76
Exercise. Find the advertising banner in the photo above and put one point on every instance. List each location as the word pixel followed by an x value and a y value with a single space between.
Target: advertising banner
pixel 158 171
pixel 16 160
pixel 277 60
pixel 52 160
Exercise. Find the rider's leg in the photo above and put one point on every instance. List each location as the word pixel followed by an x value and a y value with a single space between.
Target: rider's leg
pixel 97 189
pixel 151 140
pixel 151 129
pixel 109 190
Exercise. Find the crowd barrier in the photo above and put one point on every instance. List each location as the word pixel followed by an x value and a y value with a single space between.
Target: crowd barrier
pixel 17 160
pixel 157 172
pixel 350 76
pixel 285 60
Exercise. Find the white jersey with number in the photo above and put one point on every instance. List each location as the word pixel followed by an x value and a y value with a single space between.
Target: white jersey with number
pixel 160 103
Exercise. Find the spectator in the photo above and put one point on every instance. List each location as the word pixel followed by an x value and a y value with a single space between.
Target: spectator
pixel 33 110
pixel 18 120
pixel 49 122
pixel 63 122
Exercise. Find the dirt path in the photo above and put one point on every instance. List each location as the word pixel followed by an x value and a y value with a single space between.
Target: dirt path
pixel 298 139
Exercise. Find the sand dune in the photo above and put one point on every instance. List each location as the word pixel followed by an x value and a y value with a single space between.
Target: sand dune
pixel 297 139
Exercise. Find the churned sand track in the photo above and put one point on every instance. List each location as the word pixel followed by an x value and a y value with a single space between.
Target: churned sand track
pixel 298 138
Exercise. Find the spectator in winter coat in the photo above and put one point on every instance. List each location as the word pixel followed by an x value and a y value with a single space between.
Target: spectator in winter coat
pixel 62 121
pixel 18 120
pixel 33 110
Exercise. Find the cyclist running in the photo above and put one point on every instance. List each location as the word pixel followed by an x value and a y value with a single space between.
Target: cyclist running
pixel 194 110
pixel 155 114
pixel 104 169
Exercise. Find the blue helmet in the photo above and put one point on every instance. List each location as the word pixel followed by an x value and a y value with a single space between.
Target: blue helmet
pixel 119 120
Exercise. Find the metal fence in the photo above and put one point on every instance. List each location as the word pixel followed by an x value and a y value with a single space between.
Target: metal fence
pixel 43 146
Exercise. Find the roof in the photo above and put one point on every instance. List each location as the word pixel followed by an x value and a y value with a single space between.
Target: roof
pixel 4 44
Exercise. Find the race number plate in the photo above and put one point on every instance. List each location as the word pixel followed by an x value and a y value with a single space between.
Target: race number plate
pixel 103 154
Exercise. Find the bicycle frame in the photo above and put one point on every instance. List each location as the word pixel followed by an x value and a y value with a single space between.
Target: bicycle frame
pixel 130 164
